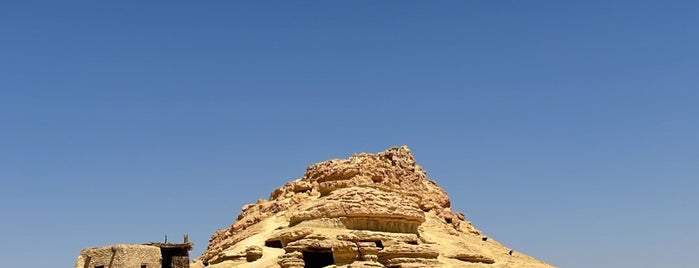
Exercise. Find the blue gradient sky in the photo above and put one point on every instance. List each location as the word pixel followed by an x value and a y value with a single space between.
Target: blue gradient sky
pixel 567 131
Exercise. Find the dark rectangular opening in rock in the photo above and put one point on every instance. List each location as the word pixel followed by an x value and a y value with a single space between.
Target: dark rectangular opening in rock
pixel 273 243
pixel 379 244
pixel 318 258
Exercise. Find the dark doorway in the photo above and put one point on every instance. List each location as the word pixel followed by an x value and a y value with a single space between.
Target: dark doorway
pixel 174 257
pixel 318 258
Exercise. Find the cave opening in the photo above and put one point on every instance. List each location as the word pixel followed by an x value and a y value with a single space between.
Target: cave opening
pixel 273 243
pixel 379 244
pixel 318 258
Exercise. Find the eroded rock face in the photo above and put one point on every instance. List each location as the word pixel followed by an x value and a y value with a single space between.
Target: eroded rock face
pixel 393 170
pixel 376 210
pixel 364 208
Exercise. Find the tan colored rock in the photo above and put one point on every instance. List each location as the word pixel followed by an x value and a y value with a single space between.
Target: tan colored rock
pixel 291 260
pixel 361 202
pixel 371 210
pixel 407 254
pixel 393 169
pixel 473 258
pixel 253 253
pixel 292 235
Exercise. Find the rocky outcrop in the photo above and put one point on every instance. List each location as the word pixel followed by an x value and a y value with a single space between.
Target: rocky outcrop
pixel 361 208
pixel 473 258
pixel 376 210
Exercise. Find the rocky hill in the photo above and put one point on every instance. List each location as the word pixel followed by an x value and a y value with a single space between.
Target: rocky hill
pixel 371 210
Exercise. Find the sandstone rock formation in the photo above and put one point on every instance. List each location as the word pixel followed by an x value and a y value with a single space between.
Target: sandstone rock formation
pixel 371 210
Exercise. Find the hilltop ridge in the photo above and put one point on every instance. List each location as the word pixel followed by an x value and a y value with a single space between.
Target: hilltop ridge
pixel 371 210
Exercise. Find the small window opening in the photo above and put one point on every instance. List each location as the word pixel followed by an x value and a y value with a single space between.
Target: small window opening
pixel 318 258
pixel 448 220
pixel 99 266
pixel 379 244
pixel 412 242
pixel 273 243
pixel 144 266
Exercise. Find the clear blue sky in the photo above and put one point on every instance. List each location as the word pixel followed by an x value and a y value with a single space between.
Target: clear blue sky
pixel 568 131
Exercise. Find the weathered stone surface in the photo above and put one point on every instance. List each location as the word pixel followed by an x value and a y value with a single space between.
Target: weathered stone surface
pixel 119 256
pixel 292 235
pixel 364 203
pixel 407 251
pixel 386 239
pixel 394 169
pixel 371 210
pixel 253 253
pixel 467 257
pixel 291 260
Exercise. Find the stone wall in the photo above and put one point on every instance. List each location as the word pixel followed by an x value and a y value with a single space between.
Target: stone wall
pixel 120 256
